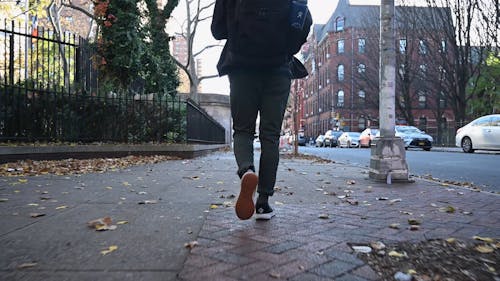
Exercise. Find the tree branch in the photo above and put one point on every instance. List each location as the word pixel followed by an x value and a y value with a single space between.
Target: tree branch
pixel 208 77
pixel 206 48
pixel 80 9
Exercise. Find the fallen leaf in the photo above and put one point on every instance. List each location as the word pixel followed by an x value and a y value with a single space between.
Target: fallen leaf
pixel 274 274
pixel 394 225
pixel 148 202
pixel 61 207
pixel 23 180
pixel 191 245
pixel 36 215
pixel 451 240
pixel 4 199
pixel 411 271
pixel 278 203
pixel 213 206
pixel 352 201
pixel 382 198
pixel 109 250
pixel 485 249
pixel 121 222
pixel 377 246
pixel 33 204
pixel 414 222
pixel 125 183
pixel 447 209
pixel 101 224
pixel 109 187
pixel 395 200
pixel 351 182
pixel 397 254
pixel 414 227
pixel 484 239
pixel 27 265
pixel 323 216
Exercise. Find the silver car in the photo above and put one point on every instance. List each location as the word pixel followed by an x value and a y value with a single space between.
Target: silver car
pixel 413 137
pixel 349 139
pixel 482 133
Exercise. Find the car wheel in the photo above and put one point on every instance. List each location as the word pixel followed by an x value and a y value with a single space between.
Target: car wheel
pixel 467 145
pixel 369 143
pixel 427 149
pixel 348 144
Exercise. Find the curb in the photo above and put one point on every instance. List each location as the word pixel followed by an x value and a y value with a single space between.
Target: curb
pixel 53 152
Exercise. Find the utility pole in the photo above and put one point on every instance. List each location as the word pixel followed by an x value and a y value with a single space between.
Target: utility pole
pixel 388 155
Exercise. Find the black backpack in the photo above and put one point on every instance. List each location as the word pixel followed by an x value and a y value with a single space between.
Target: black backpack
pixel 261 34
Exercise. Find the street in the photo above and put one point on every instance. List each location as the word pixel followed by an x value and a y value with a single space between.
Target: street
pixel 480 168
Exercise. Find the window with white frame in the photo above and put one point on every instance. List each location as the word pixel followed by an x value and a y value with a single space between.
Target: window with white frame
pixel 339 24
pixel 340 46
pixel 443 46
pixel 422 47
pixel 361 98
pixel 340 98
pixel 402 46
pixel 422 99
pixel 361 45
pixel 340 72
pixel 361 68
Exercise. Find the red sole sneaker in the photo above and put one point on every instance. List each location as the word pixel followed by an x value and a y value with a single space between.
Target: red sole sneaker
pixel 244 205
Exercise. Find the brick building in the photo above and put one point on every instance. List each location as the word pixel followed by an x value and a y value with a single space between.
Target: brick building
pixel 341 91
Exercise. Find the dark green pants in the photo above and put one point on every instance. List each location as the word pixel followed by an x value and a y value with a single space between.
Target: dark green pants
pixel 266 94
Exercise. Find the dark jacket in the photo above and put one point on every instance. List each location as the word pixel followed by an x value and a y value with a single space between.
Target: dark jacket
pixel 224 18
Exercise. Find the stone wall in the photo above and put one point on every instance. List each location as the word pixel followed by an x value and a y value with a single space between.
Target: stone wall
pixel 218 107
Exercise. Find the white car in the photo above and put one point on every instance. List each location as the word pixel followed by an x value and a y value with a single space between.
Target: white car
pixel 349 139
pixel 482 133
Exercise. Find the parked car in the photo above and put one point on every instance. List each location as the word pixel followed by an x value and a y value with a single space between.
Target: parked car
pixel 367 136
pixel 413 137
pixel 349 139
pixel 331 138
pixel 482 133
pixel 320 141
pixel 301 140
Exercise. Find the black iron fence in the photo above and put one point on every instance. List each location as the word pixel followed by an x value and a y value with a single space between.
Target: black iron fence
pixel 49 92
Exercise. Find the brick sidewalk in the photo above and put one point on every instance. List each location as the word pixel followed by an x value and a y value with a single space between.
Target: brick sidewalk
pixel 325 212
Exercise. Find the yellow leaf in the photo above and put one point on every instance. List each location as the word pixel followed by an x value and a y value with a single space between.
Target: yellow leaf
pixel 485 249
pixel 61 207
pixel 122 222
pixel 451 240
pixel 397 254
pixel 109 187
pixel 394 225
pixel 109 250
pixel 213 206
pixel 23 180
pixel 220 182
pixel 126 183
pixel 33 204
pixel 484 239
pixel 412 271
pixel 17 191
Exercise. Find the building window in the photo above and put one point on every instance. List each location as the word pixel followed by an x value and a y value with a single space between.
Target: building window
pixel 423 70
pixel 442 100
pixel 340 46
pixel 402 69
pixel 362 98
pixel 340 98
pixel 402 46
pixel 361 45
pixel 361 68
pixel 422 100
pixel 443 46
pixel 361 123
pixel 422 123
pixel 422 47
pixel 340 73
pixel 339 24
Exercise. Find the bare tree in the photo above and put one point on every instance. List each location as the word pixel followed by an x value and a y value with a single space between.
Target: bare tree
pixel 195 15
pixel 466 36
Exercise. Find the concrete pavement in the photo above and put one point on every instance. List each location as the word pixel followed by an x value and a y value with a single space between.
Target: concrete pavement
pixel 323 208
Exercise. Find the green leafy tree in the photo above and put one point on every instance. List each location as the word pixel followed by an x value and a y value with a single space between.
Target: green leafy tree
pixel 485 93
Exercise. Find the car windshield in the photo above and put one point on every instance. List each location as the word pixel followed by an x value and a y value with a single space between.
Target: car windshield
pixel 374 131
pixel 408 130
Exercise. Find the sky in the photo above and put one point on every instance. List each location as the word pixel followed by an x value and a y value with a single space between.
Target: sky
pixel 321 11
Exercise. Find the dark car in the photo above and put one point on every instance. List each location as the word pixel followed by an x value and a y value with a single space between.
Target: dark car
pixel 301 140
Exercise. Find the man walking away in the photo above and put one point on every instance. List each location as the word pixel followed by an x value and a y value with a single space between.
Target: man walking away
pixel 262 37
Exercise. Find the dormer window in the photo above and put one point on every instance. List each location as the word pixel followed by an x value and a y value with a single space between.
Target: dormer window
pixel 339 24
